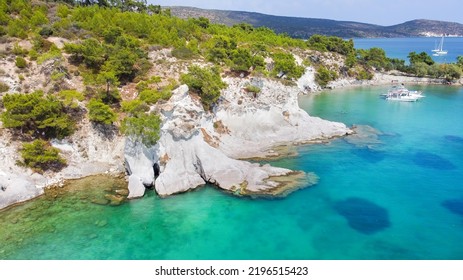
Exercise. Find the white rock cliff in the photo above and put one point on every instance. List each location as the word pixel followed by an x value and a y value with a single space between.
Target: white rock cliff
pixel 198 147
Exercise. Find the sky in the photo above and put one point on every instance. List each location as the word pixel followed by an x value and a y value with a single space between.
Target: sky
pixel 381 12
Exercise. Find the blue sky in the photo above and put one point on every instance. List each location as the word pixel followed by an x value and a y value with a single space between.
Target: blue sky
pixel 382 12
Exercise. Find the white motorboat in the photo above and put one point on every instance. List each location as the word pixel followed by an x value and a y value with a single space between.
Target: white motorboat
pixel 400 93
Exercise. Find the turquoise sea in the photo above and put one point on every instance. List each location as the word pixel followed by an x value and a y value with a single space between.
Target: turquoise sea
pixel 399 197
pixel 401 47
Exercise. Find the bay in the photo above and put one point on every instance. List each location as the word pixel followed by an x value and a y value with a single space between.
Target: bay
pixel 398 196
pixel 401 47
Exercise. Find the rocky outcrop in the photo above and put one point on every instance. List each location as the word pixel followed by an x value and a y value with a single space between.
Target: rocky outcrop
pixel 272 118
pixel 139 162
pixel 16 188
pixel 89 151
pixel 390 78
pixel 198 147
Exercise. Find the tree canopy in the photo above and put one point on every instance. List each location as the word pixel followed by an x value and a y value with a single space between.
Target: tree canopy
pixel 36 114
pixel 206 82
pixel 40 156
pixel 99 112
pixel 143 127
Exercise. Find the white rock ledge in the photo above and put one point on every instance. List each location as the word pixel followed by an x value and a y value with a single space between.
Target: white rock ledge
pixel 198 147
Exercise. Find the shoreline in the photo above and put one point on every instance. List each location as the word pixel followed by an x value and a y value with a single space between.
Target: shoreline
pixel 274 151
pixel 393 78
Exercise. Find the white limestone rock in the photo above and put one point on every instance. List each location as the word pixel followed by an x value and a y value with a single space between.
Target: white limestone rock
pixel 16 188
pixel 272 118
pixel 139 162
pixel 188 159
pixel 136 187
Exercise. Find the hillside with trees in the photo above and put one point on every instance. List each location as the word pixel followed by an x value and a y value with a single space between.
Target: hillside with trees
pixel 300 27
pixel 111 62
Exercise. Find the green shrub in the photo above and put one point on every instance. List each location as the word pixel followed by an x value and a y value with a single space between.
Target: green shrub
pixel 53 53
pixel 151 96
pixel 141 86
pixel 33 54
pixel 206 82
pixel 4 87
pixel 70 98
pixel 324 76
pixel 46 31
pixel 21 62
pixel 253 89
pixel 285 64
pixel 36 114
pixel 183 53
pixel 17 50
pixel 99 112
pixel 241 60
pixel 143 127
pixel 134 107
pixel 364 75
pixel 40 156
pixel 112 96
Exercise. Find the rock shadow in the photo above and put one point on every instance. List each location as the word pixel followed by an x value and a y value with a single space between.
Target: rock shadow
pixel 362 215
pixel 107 131
pixel 430 160
pixel 454 205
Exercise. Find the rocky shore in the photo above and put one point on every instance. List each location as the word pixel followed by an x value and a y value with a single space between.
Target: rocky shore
pixel 199 147
pixel 196 146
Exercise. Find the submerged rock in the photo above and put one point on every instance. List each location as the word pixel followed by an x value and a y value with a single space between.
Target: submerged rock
pixel 364 136
pixel 363 215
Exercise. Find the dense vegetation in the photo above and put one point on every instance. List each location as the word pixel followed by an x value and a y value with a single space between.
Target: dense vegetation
pixel 206 83
pixel 36 115
pixel 108 46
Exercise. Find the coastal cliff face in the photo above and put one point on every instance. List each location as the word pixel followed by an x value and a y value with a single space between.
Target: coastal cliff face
pixel 198 147
pixel 89 151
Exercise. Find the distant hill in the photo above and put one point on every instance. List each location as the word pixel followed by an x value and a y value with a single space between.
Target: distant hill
pixel 305 27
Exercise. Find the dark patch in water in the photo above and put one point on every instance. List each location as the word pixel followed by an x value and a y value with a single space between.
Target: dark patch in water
pixel 453 138
pixel 370 155
pixel 362 215
pixel 431 160
pixel 454 205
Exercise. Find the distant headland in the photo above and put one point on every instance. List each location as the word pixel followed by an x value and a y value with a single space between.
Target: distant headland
pixel 305 27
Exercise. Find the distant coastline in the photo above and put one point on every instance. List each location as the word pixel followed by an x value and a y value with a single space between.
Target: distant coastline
pixel 401 47
pixel 303 28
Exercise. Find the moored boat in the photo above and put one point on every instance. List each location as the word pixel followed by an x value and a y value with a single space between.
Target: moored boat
pixel 400 93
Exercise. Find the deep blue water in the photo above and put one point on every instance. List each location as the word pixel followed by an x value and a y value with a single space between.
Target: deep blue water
pixel 398 195
pixel 401 47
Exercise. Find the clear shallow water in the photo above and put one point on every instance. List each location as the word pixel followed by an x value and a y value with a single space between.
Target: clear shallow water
pixel 402 198
pixel 401 47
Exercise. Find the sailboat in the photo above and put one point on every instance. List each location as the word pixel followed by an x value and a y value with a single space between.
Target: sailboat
pixel 439 51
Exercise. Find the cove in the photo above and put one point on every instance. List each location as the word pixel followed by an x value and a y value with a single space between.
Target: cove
pixel 423 220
